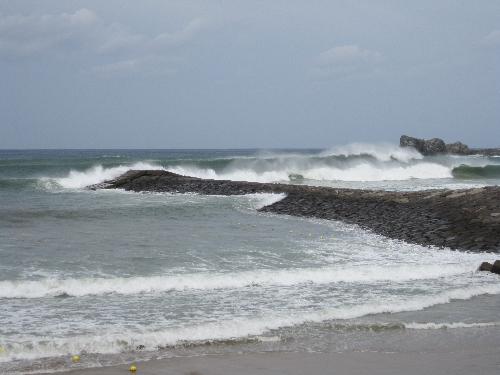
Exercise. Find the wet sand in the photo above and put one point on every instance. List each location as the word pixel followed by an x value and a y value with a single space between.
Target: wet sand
pixel 472 361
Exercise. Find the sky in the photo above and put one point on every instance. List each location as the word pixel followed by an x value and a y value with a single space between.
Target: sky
pixel 247 74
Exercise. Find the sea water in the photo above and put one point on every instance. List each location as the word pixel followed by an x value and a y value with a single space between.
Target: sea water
pixel 116 276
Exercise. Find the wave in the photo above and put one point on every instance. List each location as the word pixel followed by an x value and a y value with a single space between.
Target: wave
pixel 377 327
pixel 50 287
pixel 237 329
pixel 354 162
pixel 473 172
pixel 382 152
pixel 361 172
pixel 80 179
pixel 452 325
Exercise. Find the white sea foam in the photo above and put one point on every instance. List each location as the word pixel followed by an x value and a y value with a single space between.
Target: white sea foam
pixel 240 174
pixel 363 162
pixel 449 325
pixel 111 340
pixel 360 172
pixel 80 179
pixel 211 281
pixel 357 162
pixel 381 151
pixel 259 200
pixel 370 172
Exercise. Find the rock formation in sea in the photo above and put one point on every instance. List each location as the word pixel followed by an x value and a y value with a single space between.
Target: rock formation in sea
pixel 433 146
pixel 436 146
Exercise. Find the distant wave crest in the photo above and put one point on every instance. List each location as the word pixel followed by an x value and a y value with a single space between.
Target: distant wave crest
pixel 356 162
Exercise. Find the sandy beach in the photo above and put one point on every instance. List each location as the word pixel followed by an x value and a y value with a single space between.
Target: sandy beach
pixel 466 362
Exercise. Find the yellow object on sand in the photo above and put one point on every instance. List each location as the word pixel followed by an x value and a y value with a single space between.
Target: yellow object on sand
pixel 75 358
pixel 2 350
pixel 133 368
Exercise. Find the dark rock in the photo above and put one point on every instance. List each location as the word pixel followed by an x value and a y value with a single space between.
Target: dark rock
pixel 485 266
pixel 457 148
pixel 434 146
pixel 496 267
pixel 416 143
pixel 425 147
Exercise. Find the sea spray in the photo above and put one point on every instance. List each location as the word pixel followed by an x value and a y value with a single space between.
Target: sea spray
pixel 354 162
pixel 80 179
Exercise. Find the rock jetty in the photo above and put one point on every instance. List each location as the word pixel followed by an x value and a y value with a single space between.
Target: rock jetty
pixel 458 219
pixel 436 146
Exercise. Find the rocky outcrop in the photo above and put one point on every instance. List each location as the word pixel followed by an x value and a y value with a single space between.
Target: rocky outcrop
pixel 458 148
pixel 495 267
pixel 436 146
pixel 458 219
pixel 433 146
pixel 485 151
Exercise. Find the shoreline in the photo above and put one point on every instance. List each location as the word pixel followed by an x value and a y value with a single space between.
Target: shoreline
pixel 466 219
pixel 469 361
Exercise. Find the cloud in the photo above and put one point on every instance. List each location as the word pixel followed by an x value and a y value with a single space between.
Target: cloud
pixel 492 39
pixel 348 55
pixel 182 36
pixel 120 40
pixel 346 59
pixel 112 46
pixel 28 35
pixel 147 65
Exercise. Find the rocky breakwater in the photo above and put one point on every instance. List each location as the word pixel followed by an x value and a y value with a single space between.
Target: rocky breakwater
pixel 459 219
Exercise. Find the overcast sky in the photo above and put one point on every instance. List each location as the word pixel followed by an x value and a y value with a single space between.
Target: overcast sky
pixel 231 74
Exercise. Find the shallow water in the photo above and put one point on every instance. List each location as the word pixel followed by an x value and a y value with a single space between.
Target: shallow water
pixel 119 276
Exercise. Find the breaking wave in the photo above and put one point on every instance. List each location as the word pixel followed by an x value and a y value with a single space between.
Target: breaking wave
pixel 236 329
pixel 472 172
pixel 356 162
pixel 50 287
pixel 359 172
pixel 381 152
pixel 80 179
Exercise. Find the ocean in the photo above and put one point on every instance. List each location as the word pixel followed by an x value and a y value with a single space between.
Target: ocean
pixel 115 276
